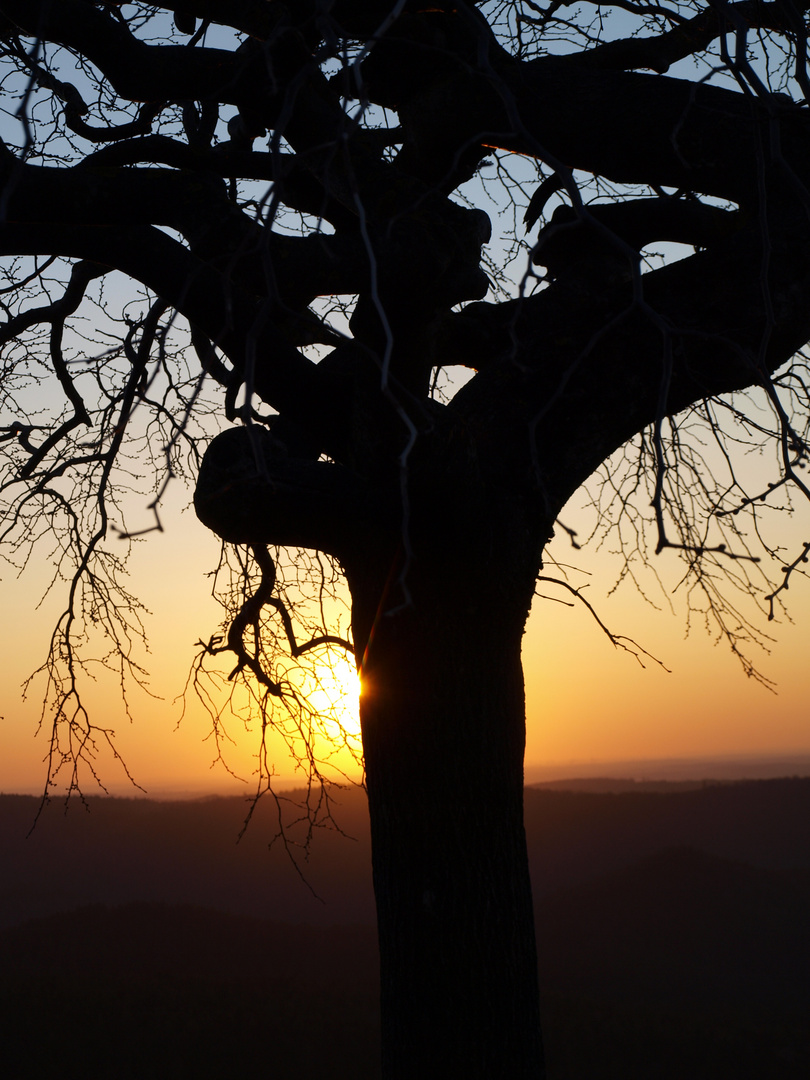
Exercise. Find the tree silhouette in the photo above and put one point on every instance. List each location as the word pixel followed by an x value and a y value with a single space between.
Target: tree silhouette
pixel 294 196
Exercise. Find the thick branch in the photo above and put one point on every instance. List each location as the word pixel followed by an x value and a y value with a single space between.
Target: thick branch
pixel 658 52
pixel 296 186
pixel 250 492
pixel 584 371
pixel 617 232
pixel 236 322
pixel 293 270
pixel 626 126
pixel 142 72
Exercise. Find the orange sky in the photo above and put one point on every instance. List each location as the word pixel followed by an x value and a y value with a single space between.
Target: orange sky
pixel 586 700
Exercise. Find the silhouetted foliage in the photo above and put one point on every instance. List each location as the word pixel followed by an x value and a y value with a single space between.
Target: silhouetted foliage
pixel 300 197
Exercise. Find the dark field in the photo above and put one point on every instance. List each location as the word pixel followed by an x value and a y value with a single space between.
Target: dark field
pixel 139 940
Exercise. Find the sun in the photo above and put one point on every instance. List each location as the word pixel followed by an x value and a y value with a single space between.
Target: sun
pixel 328 699
pixel 341 685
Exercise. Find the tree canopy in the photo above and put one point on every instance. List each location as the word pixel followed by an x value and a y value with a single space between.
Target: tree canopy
pixel 293 221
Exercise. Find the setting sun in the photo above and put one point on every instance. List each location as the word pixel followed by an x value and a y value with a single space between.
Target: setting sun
pixel 333 690
pixel 322 725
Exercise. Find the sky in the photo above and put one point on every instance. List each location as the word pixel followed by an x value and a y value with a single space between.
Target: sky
pixel 589 704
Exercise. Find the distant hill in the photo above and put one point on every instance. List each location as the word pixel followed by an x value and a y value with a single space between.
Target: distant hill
pixel 725 767
pixel 575 837
pixel 121 851
pixel 609 785
pixel 140 939
pixel 189 852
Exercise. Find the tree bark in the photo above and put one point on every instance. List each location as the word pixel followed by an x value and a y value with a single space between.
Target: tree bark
pixel 443 719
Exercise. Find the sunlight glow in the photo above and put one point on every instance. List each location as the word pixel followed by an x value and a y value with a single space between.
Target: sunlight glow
pixel 333 690
pixel 323 726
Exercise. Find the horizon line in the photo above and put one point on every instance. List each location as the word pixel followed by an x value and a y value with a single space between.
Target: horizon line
pixel 731 766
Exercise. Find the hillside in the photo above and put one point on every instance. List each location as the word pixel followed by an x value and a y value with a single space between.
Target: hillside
pixel 140 939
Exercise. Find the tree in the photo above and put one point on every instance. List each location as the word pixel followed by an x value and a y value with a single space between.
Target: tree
pixel 293 183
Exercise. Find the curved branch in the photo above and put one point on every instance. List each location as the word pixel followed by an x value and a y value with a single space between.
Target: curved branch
pixel 147 73
pixel 142 125
pixel 585 371
pixel 236 322
pixel 618 641
pixel 80 277
pixel 195 204
pixel 249 492
pixel 626 126
pixel 618 232
pixel 660 51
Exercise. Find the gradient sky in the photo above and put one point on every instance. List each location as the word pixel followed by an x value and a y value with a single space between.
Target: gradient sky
pixel 586 700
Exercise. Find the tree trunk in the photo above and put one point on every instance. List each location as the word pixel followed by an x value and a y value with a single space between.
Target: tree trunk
pixel 443 718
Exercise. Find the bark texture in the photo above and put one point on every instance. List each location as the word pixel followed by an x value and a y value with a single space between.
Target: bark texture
pixel 443 720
